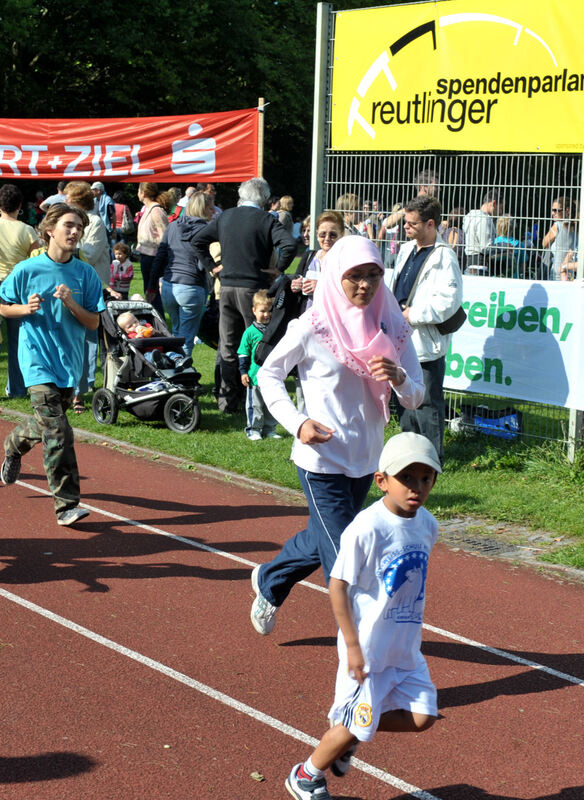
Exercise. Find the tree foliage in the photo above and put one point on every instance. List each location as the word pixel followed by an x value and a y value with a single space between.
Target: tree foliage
pixel 108 59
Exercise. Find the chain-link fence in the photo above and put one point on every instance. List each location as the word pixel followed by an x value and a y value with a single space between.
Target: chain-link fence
pixel 533 191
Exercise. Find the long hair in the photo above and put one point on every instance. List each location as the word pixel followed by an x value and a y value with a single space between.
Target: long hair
pixel 54 214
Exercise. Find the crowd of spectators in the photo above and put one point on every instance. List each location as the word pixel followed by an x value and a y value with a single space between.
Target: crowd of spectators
pixel 192 255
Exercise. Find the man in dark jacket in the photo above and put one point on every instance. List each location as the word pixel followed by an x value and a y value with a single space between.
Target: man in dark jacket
pixel 248 236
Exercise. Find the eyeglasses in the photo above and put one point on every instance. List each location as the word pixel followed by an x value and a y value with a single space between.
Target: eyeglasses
pixel 371 278
pixel 328 235
pixel 556 210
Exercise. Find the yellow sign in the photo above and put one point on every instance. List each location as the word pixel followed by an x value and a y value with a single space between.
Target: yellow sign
pixel 470 75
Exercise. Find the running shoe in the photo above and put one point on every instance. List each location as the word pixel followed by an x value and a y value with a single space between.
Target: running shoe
pixel 302 789
pixel 10 469
pixel 71 515
pixel 263 613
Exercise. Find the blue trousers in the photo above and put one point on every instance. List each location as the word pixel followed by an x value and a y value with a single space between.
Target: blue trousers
pixel 185 306
pixel 15 386
pixel 333 502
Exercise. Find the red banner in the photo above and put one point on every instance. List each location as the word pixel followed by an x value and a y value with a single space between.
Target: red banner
pixel 221 147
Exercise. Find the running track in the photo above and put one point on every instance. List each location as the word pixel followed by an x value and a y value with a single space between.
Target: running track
pixel 130 670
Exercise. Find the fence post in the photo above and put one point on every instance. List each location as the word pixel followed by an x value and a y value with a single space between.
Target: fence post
pixel 577 417
pixel 323 16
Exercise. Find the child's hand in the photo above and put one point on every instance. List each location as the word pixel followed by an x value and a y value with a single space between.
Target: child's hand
pixel 356 663
pixel 144 332
pixel 245 380
pixel 384 369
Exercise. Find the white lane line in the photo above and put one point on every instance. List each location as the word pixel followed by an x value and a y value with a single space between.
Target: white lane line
pixel 207 548
pixel 208 691
pixel 510 656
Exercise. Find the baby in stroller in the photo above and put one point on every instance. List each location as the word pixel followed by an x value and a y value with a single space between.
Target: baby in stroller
pixel 146 371
pixel 163 359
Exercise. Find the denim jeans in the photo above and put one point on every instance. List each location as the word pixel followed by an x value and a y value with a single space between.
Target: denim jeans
pixel 259 419
pixel 87 378
pixel 333 502
pixel 15 386
pixel 184 305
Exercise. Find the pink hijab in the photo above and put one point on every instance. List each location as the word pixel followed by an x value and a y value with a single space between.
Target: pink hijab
pixel 353 334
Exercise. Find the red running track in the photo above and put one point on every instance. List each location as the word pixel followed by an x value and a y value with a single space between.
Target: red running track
pixel 130 669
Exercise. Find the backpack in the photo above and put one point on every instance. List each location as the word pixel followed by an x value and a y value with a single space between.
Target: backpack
pixel 286 307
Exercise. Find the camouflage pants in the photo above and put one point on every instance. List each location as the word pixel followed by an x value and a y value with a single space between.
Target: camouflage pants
pixel 50 426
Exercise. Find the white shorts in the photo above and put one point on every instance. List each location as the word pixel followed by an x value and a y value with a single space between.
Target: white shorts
pixel 359 708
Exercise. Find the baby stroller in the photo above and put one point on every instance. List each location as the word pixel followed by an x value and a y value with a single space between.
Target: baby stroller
pixel 148 391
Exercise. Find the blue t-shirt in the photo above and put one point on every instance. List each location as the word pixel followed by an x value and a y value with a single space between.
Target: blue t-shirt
pixel 50 342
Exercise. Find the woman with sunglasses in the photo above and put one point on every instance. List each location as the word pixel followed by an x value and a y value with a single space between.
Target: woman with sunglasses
pixel 329 228
pixel 352 348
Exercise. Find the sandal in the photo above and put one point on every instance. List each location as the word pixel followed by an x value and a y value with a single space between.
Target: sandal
pixel 78 406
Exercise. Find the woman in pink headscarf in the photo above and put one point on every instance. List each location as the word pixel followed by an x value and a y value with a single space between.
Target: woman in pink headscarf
pixel 351 349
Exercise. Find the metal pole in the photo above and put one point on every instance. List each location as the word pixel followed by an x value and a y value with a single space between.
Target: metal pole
pixel 260 138
pixel 577 417
pixel 323 17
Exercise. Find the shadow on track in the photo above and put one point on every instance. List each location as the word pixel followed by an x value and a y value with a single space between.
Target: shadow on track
pixel 43 767
pixel 529 682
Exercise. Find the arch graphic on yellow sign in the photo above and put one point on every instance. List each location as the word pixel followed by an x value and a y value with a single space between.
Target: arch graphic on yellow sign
pixel 458 81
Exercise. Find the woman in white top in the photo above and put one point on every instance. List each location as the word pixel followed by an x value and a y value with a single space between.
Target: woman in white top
pixel 151 227
pixel 351 348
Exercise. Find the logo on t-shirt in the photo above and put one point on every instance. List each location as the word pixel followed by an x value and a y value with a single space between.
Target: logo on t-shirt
pixel 404 579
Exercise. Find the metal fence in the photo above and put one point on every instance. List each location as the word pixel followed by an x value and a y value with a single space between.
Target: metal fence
pixel 528 186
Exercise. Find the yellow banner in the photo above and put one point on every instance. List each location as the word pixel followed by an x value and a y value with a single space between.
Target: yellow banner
pixel 460 75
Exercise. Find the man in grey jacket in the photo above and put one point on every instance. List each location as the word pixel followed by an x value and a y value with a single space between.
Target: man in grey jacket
pixel 427 284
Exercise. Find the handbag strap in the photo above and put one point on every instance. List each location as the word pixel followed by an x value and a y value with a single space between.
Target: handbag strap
pixel 415 286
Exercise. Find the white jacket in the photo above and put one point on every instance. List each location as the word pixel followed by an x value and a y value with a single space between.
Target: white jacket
pixel 437 297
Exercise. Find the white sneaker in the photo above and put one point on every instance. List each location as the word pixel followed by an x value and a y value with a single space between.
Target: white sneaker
pixel 71 516
pixel 263 613
pixel 306 790
pixel 273 436
pixel 254 436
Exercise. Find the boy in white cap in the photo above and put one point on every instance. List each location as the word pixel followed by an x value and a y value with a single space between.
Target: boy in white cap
pixel 377 591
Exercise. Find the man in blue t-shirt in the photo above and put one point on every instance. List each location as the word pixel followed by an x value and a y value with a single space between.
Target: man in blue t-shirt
pixel 56 297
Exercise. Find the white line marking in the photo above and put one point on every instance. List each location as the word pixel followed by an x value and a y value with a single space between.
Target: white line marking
pixel 504 654
pixel 214 694
pixel 207 548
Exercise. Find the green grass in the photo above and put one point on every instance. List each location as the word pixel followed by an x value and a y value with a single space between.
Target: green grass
pixel 487 478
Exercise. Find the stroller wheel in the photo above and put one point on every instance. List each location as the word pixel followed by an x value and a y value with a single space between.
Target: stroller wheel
pixel 104 407
pixel 182 413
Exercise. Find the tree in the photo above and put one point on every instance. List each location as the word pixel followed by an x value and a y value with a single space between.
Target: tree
pixel 92 59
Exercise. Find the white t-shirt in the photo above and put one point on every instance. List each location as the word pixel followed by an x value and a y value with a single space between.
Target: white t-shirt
pixel 384 559
pixel 334 396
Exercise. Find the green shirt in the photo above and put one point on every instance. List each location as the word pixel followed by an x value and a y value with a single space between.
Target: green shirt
pixel 252 336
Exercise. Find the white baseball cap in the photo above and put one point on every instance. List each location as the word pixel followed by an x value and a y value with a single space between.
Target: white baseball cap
pixel 408 448
pixel 98 185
